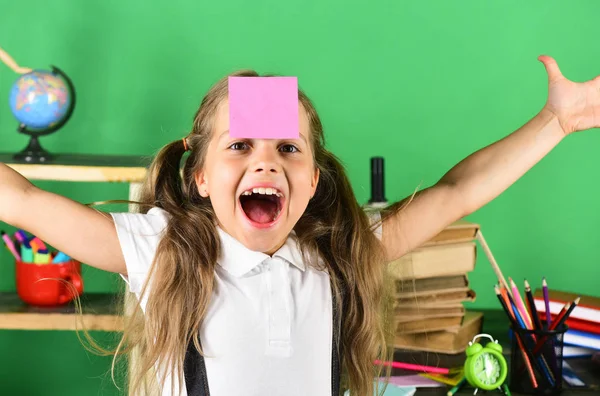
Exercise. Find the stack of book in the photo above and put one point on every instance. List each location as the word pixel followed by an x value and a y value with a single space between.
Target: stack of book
pixel 431 287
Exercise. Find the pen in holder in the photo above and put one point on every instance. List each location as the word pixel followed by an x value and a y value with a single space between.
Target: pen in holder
pixel 536 361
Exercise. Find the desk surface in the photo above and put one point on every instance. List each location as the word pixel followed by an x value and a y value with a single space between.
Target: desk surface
pixel 494 323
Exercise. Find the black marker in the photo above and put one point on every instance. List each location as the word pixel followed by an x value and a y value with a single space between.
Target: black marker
pixel 378 199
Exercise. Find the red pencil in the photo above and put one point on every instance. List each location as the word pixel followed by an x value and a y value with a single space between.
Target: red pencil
pixel 560 319
pixel 561 315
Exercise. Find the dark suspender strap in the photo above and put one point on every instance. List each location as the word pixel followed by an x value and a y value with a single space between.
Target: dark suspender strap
pixel 337 352
pixel 194 371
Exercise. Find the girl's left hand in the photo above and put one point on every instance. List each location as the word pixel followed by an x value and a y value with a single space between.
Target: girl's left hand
pixel 576 105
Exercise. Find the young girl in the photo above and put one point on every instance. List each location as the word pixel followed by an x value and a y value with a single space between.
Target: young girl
pixel 256 271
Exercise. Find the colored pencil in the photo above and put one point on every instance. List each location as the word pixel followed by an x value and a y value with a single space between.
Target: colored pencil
pixel 542 365
pixel 456 387
pixel 533 311
pixel 561 321
pixel 505 305
pixel 562 317
pixel 546 302
pixel 505 295
pixel 520 305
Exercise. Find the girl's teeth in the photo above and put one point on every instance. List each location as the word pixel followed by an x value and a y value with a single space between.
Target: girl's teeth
pixel 263 191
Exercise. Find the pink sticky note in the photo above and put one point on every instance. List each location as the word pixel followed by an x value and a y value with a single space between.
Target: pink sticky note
pixel 263 107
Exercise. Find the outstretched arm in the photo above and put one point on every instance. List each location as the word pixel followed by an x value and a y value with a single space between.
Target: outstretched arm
pixel 485 174
pixel 81 232
pixel 10 62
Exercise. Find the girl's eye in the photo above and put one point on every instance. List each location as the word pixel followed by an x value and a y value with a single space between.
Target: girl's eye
pixel 239 146
pixel 288 148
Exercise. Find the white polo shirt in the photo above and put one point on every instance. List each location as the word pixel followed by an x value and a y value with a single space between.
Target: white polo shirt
pixel 268 329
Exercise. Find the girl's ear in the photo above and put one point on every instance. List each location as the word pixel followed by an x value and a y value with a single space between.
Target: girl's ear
pixel 202 184
pixel 314 182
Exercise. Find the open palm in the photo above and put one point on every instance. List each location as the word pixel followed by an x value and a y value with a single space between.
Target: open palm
pixel 576 105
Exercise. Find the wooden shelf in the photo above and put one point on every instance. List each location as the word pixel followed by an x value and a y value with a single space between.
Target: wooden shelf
pixel 83 168
pixel 99 313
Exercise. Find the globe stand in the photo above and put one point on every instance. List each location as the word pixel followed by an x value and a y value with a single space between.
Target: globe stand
pixel 34 152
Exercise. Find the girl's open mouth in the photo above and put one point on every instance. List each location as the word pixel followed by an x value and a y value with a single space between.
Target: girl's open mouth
pixel 261 205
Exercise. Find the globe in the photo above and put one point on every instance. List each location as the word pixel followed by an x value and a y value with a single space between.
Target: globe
pixel 42 101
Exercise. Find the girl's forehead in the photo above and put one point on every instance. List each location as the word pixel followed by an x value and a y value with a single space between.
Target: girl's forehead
pixel 221 120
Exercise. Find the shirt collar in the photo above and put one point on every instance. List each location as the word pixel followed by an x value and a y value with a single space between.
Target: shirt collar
pixel 238 260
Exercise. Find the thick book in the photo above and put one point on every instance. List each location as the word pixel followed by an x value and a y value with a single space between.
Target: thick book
pixel 459 231
pixel 439 299
pixel 429 325
pixel 412 312
pixel 570 351
pixel 450 341
pixel 399 318
pixel 587 309
pixel 582 339
pixel 429 285
pixel 435 261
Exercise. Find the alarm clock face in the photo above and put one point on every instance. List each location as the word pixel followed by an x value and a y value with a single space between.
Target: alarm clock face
pixel 486 368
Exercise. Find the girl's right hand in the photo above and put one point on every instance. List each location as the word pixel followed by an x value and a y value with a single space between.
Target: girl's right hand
pixel 87 235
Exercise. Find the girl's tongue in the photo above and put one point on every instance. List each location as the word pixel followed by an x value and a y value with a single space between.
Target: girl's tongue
pixel 260 208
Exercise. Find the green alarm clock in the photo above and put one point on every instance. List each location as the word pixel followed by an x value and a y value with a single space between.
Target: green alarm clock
pixel 485 367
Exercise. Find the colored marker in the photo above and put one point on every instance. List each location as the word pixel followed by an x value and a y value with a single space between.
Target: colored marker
pixel 41 257
pixel 60 258
pixel 21 236
pixel 26 252
pixel 11 246
pixel 37 244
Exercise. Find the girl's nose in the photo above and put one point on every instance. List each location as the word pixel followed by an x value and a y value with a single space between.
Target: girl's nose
pixel 266 166
pixel 266 160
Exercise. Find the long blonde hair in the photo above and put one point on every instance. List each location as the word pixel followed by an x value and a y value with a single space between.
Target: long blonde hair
pixel 334 225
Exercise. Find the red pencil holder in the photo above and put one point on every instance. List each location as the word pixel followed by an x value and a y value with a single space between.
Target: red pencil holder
pixel 47 284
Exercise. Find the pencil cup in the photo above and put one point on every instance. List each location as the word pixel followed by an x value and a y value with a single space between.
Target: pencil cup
pixel 536 361
pixel 48 284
